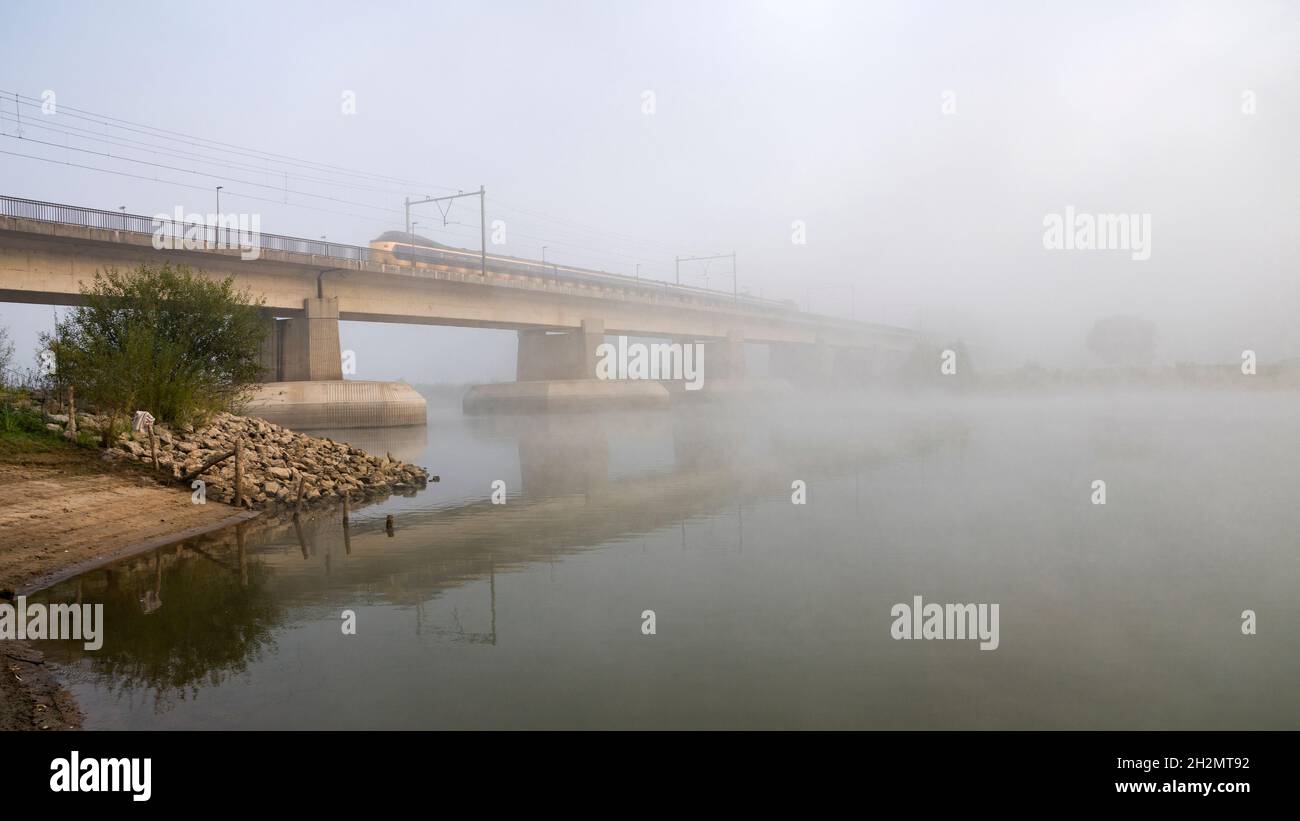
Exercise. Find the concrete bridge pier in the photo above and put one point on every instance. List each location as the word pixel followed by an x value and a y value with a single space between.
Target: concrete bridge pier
pixel 305 388
pixel 310 347
pixel 802 364
pixel 306 348
pixel 556 371
pixel 855 366
pixel 724 359
pixel 544 355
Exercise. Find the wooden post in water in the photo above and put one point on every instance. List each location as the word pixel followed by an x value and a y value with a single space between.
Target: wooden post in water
pixel 347 536
pixel 243 558
pixel 302 540
pixel 239 473
pixel 297 505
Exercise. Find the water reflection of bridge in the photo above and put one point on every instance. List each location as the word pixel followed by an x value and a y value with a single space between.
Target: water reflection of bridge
pixel 570 502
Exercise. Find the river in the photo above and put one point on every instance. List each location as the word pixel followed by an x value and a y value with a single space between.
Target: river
pixel 766 613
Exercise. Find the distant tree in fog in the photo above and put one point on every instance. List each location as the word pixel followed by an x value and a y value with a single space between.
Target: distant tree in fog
pixel 1123 340
pixel 6 355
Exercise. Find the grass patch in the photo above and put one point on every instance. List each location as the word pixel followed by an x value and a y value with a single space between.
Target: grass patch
pixel 21 420
pixel 22 427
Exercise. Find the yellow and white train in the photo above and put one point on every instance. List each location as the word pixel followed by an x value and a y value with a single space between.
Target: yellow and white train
pixel 403 249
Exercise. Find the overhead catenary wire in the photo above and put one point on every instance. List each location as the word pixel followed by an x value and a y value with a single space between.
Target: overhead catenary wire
pixel 176 136
pixel 564 239
pixel 282 159
pixel 186 185
pixel 255 197
pixel 166 167
pixel 84 134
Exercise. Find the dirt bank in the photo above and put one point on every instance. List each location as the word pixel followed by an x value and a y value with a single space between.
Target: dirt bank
pixel 64 508
pixel 31 697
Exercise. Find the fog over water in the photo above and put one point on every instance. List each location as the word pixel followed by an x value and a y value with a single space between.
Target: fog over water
pixel 768 614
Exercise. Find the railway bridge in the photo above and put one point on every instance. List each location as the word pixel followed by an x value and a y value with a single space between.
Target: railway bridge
pixel 47 250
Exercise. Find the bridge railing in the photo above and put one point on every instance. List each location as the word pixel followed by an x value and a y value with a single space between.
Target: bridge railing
pixel 135 223
pixel 75 215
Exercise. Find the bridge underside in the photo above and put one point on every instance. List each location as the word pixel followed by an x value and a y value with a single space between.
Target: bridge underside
pixel 306 348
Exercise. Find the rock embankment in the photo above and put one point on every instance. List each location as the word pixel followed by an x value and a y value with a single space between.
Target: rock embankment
pixel 274 461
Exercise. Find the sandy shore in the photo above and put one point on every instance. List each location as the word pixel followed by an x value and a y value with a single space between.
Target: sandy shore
pixel 63 511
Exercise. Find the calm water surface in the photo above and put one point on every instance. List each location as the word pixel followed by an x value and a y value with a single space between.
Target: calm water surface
pixel 528 614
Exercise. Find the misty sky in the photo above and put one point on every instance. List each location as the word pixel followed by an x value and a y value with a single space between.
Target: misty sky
pixel 765 113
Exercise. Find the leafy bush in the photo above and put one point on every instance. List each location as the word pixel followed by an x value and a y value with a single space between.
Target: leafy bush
pixel 162 340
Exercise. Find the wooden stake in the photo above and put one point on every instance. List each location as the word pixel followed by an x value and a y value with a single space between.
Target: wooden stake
pixel 239 473
pixel 153 448
pixel 297 507
pixel 72 412
pixel 347 535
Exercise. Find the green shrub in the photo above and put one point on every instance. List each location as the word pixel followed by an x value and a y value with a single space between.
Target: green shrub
pixel 159 339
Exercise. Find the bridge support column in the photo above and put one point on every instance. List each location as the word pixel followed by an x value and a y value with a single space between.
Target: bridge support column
pixel 272 359
pixel 854 366
pixel 725 358
pixel 566 355
pixel 309 345
pixel 802 364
